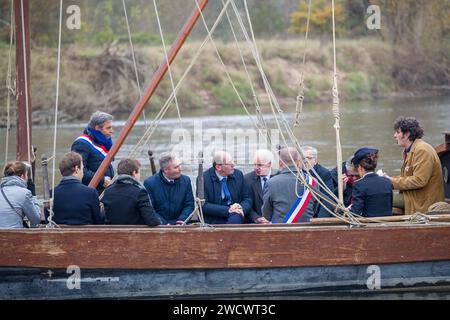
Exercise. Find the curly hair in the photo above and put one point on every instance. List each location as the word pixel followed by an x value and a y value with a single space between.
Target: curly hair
pixel 411 125
pixel 369 163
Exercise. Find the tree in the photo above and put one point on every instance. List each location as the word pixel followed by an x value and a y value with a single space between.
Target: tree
pixel 321 17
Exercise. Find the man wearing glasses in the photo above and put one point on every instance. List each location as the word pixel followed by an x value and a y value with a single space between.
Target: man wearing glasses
pixel 227 197
pixel 257 181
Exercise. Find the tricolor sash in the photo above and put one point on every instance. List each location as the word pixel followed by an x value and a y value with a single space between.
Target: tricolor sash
pixel 97 148
pixel 300 205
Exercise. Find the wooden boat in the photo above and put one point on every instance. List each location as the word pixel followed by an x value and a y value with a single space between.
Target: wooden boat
pixel 180 261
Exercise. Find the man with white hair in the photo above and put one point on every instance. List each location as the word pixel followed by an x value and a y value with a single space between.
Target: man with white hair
pixel 227 198
pixel 287 199
pixel 311 162
pixel 93 146
pixel 257 181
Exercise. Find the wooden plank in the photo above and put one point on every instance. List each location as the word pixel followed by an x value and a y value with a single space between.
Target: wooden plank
pixel 436 216
pixel 223 247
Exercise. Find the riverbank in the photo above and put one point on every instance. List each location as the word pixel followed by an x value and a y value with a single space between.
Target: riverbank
pixel 104 78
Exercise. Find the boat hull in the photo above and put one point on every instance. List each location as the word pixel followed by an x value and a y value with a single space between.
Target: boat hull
pixel 107 262
pixel 20 283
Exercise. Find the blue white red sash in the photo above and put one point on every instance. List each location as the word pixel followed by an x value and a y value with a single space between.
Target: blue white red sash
pixel 300 205
pixel 97 148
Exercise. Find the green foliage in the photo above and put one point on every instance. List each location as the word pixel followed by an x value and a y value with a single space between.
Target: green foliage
pixel 226 96
pixel 320 19
pixel 357 86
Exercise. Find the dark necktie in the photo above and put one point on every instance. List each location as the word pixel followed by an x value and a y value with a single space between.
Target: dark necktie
pixel 264 184
pixel 226 191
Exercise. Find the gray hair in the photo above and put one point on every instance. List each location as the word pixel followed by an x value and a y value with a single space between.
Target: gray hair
pixel 220 156
pixel 310 148
pixel 348 163
pixel 166 158
pixel 289 156
pixel 264 155
pixel 99 118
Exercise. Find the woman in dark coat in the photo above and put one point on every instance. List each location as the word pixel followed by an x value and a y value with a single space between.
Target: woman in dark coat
pixel 372 195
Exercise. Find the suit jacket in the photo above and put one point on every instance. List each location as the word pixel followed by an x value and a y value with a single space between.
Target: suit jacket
pixel 372 196
pixel 75 203
pixel 420 178
pixel 281 197
pixel 256 192
pixel 325 176
pixel 215 212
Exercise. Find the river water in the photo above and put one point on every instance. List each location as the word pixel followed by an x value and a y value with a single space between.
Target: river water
pixel 363 123
pixel 367 123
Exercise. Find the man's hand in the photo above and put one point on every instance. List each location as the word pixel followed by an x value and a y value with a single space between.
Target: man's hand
pixel 344 181
pixel 236 208
pixel 179 222
pixel 261 220
pixel 107 181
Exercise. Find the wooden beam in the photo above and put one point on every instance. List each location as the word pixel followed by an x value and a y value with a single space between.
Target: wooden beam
pixel 157 77
pixel 223 247
pixel 23 76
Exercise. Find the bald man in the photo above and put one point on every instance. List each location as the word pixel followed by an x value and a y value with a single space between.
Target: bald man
pixel 282 204
pixel 227 197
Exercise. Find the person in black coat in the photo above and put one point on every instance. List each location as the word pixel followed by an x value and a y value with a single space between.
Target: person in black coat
pixel 75 203
pixel 372 195
pixel 170 191
pixel 126 201
pixel 227 197
pixel 257 182
pixel 311 162
pixel 93 146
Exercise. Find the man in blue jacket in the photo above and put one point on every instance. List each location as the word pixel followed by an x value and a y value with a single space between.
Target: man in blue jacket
pixel 93 146
pixel 75 203
pixel 170 191
pixel 227 196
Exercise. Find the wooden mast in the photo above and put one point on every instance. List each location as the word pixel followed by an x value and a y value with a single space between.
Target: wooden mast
pixel 157 77
pixel 23 96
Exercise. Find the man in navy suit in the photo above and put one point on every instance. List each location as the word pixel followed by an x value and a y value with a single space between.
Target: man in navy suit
pixel 227 197
pixel 75 203
pixel 372 195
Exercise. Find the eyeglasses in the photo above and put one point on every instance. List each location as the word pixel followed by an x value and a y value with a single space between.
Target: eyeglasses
pixel 260 165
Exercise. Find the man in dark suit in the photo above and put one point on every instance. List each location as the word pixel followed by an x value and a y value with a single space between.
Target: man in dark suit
pixel 257 182
pixel 227 198
pixel 311 162
pixel 74 203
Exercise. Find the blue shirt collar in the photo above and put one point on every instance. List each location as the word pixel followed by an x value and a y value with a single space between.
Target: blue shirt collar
pixel 407 150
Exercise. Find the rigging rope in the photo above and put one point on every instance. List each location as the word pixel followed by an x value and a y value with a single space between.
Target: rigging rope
pixel 51 223
pixel 25 65
pixel 11 90
pixel 261 121
pixel 167 62
pixel 336 114
pixel 301 86
pixel 274 104
pixel 149 132
pixel 134 58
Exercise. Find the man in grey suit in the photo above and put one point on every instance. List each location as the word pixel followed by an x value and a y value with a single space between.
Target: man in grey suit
pixel 257 181
pixel 282 204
